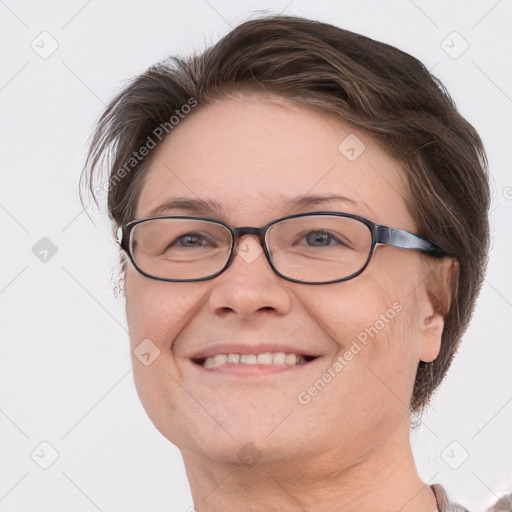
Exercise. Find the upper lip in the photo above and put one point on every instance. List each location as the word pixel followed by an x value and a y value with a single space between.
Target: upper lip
pixel 244 348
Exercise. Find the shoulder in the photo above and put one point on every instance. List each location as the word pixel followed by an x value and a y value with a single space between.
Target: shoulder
pixel 443 502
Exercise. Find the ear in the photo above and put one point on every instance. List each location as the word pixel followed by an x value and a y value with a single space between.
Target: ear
pixel 435 299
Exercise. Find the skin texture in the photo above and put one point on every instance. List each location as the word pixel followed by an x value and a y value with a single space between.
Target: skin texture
pixel 348 448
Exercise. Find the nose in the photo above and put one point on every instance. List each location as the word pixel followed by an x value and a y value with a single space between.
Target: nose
pixel 249 284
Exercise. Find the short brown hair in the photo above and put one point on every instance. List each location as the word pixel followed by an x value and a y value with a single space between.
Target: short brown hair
pixel 370 85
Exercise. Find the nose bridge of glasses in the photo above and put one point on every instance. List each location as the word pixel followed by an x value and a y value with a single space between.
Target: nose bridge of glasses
pixel 239 232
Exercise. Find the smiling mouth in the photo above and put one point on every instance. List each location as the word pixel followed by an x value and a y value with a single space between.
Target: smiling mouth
pixel 271 359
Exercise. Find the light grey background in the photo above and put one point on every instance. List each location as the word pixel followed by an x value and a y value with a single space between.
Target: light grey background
pixel 65 376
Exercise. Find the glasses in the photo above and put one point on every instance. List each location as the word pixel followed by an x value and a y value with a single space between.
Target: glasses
pixel 310 248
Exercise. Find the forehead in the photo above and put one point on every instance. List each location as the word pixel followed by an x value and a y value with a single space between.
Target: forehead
pixel 250 155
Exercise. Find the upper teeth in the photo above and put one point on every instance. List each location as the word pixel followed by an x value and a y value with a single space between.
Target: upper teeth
pixel 264 358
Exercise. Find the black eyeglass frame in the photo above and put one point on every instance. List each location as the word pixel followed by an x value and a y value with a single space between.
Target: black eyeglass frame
pixel 380 235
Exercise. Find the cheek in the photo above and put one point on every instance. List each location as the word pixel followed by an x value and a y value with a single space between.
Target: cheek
pixel 392 322
pixel 371 318
pixel 356 309
pixel 159 310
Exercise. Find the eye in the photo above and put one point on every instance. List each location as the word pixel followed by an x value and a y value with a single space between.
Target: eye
pixel 189 240
pixel 192 240
pixel 321 238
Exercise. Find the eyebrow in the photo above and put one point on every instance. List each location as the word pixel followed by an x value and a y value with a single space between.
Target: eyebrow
pixel 212 207
pixel 316 200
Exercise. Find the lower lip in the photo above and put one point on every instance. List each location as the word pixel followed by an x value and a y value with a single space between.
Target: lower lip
pixel 254 369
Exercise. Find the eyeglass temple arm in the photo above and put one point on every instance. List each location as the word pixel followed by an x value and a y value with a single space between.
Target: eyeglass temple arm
pixel 406 240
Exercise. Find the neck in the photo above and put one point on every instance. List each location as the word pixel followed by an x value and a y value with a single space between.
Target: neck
pixel 383 479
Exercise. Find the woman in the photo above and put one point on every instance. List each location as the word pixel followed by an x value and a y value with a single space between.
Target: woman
pixel 302 214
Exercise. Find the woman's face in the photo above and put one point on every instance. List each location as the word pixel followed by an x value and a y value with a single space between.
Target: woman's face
pixel 251 156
